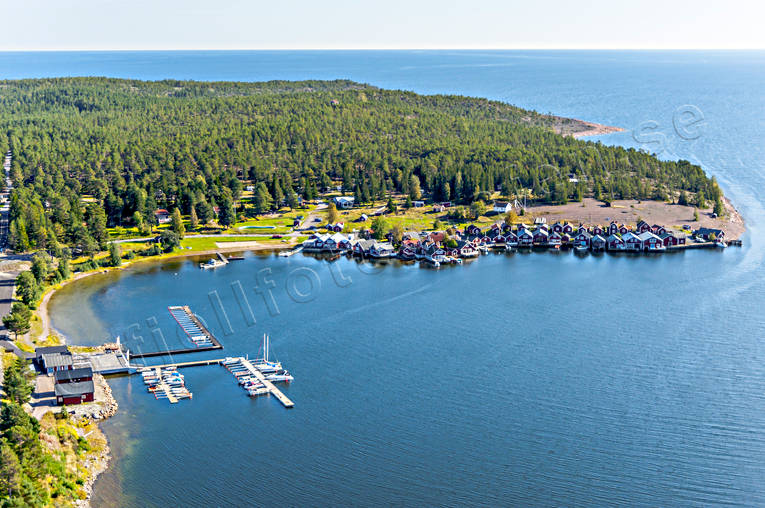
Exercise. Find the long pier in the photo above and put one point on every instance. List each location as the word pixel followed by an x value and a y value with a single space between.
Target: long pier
pixel 272 389
pixel 183 351
pixel 179 365
pixel 193 327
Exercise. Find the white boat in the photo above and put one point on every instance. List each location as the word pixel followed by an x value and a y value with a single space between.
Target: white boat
pixel 283 377
pixel 580 248
pixel 264 364
pixel 213 263
pixel 720 243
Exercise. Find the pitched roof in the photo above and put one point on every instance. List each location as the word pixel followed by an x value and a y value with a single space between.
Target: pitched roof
pixel 364 244
pixel 645 236
pixel 628 235
pixel 437 236
pixel 74 389
pixel 50 349
pixel 67 375
pixel 708 231
pixel 57 360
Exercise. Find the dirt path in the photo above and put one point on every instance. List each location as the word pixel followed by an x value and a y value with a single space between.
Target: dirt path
pixel 310 219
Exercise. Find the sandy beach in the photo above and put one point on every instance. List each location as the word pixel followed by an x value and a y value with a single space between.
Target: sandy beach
pixel 42 310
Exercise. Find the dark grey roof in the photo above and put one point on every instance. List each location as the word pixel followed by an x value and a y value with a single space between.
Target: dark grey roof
pixel 57 360
pixel 67 375
pixel 73 389
pixel 707 231
pixel 50 350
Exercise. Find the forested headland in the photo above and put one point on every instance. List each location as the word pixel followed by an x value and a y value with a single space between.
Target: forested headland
pixel 90 153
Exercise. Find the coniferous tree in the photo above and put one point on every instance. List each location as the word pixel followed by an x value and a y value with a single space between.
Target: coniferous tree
pixel 176 223
pixel 27 289
pixel 262 200
pixel 115 253
pixel 193 220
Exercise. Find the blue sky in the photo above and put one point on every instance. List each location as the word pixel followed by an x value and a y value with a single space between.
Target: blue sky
pixel 335 24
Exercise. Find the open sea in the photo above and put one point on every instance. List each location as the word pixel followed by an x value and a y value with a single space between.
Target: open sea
pixel 528 379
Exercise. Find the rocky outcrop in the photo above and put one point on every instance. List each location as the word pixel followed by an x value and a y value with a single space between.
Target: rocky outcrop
pixel 105 406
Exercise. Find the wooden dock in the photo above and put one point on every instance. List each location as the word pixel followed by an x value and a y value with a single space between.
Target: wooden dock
pixel 183 351
pixel 286 402
pixel 195 320
pixel 162 386
pixel 214 343
pixel 179 365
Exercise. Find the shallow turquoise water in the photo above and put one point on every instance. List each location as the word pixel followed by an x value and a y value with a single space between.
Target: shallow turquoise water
pixel 544 378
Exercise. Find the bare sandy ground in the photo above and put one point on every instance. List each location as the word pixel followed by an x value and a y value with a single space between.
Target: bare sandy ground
pixel 629 212
pixel 580 128
pixel 251 245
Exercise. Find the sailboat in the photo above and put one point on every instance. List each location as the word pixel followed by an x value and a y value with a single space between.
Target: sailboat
pixel 263 364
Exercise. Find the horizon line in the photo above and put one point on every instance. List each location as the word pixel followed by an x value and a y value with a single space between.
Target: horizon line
pixel 517 48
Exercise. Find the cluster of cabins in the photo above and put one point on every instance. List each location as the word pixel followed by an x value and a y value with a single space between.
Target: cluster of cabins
pixel 73 384
pixel 342 243
pixel 614 237
pixel 473 240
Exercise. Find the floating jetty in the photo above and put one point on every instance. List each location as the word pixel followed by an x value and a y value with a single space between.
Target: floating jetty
pixel 214 263
pixel 258 376
pixel 166 383
pixel 199 335
pixel 288 253
pixel 256 382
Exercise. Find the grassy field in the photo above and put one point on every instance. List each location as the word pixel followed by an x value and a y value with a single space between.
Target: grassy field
pixel 202 244
pixel 412 219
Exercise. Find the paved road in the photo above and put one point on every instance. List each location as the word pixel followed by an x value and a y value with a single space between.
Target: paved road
pixel 4 204
pixel 7 279
pixel 44 396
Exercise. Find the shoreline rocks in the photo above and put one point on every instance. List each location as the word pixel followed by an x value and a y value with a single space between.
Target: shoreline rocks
pixel 105 407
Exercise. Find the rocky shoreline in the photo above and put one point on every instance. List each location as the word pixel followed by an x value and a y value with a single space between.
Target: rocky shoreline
pixel 104 407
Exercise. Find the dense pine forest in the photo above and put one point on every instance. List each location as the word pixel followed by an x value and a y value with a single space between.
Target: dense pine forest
pixel 130 147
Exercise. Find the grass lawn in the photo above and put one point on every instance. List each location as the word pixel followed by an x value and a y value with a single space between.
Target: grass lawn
pixel 412 219
pixel 200 244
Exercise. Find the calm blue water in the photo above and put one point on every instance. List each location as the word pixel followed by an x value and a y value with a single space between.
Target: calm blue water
pixel 543 379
